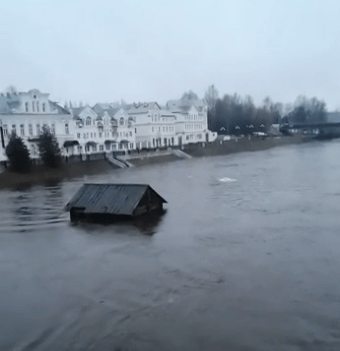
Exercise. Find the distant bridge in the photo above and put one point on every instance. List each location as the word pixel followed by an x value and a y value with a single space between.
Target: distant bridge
pixel 323 129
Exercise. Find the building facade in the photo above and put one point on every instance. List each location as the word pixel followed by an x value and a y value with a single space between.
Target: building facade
pixel 26 113
pixel 108 129
pixel 103 127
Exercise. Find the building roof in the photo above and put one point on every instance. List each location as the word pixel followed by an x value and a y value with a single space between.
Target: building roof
pixel 76 111
pixel 10 102
pixel 142 107
pixel 333 117
pixel 115 199
pixel 61 110
pixel 101 108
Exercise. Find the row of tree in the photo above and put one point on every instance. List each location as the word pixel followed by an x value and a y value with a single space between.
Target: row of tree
pixel 233 114
pixel 19 156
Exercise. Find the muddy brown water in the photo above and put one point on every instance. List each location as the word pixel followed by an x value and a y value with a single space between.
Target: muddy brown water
pixel 246 257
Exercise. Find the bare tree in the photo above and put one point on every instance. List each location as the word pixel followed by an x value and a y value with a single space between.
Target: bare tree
pixel 190 95
pixel 210 97
pixel 11 89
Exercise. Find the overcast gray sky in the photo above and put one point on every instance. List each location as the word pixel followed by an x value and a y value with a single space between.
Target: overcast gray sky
pixel 102 51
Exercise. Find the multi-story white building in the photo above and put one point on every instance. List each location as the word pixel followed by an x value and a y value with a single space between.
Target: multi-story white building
pixel 103 128
pixel 180 122
pixel 25 113
pixel 191 121
pixel 151 127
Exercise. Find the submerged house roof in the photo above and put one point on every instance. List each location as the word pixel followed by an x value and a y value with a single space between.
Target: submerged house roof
pixel 114 199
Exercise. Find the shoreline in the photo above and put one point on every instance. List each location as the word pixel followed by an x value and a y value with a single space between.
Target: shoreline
pixel 40 175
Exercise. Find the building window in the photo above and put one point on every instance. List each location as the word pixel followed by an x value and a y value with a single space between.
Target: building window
pixel 91 135
pixel 26 106
pixel 30 129
pixel 14 130
pixel 38 129
pixel 44 107
pixel 131 145
pixel 4 129
pixel 88 121
pixel 101 147
pixel 95 135
pixel 22 129
pixel 172 141
pixel 53 129
pixel 135 130
pixel 38 107
pixel 66 129
pixel 107 146
pixel 78 135
pixel 94 148
pixel 121 121
pixel 100 135
pixel 152 129
pixel 130 134
pixel 33 106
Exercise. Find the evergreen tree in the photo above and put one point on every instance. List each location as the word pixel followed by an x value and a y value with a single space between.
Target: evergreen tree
pixel 18 154
pixel 49 149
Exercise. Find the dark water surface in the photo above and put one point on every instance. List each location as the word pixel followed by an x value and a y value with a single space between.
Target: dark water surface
pixel 247 257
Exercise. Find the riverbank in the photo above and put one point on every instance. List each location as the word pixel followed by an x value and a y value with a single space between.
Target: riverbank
pixel 219 147
pixel 40 174
pixel 225 147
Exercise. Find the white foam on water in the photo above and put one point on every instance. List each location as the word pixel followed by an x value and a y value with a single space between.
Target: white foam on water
pixel 226 179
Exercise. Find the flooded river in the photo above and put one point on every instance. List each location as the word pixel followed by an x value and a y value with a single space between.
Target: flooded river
pixel 247 257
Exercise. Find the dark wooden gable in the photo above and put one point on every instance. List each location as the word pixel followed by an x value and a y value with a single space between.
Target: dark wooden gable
pixel 115 199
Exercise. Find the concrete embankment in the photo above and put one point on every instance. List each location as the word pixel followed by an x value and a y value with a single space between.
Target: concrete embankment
pixel 226 147
pixel 77 168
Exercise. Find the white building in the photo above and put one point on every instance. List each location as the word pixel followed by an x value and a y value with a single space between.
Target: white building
pixel 180 122
pixel 25 113
pixel 151 125
pixel 105 130
pixel 191 121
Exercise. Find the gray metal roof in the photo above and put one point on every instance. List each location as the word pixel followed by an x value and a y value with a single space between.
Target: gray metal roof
pixel 333 117
pixel 142 107
pixel 117 199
